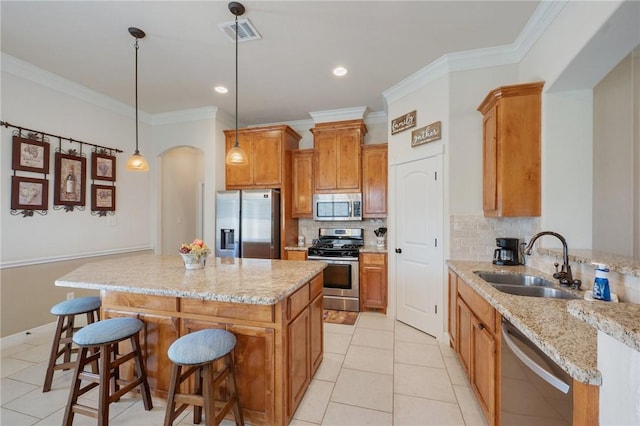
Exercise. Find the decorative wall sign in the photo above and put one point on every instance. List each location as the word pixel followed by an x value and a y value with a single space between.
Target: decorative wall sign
pixel 30 155
pixel 69 188
pixel 29 193
pixel 426 134
pixel 103 198
pixel 103 166
pixel 404 122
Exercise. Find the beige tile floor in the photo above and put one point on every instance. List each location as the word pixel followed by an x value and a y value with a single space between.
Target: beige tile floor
pixel 378 372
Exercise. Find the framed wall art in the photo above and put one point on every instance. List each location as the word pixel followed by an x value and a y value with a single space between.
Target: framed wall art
pixel 103 198
pixel 69 183
pixel 29 193
pixel 30 155
pixel 103 166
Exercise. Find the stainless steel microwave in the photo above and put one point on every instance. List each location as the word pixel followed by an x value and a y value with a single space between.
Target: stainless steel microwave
pixel 337 206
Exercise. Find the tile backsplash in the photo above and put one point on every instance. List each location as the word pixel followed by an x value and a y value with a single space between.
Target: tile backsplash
pixel 473 237
pixel 309 228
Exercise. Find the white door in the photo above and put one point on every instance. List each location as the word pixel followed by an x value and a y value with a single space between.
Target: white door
pixel 419 254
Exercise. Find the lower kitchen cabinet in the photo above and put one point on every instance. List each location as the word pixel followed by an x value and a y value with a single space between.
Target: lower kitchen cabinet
pixel 453 291
pixel 476 343
pixel 296 255
pixel 373 282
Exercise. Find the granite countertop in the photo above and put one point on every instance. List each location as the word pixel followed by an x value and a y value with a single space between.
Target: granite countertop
pixel 251 281
pixel 619 320
pixel 568 341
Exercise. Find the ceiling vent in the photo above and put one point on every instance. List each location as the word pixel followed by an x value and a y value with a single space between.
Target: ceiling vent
pixel 246 30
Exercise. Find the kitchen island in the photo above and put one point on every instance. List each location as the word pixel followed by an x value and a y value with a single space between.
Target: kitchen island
pixel 274 308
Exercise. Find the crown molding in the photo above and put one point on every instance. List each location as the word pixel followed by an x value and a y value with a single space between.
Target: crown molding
pixel 355 113
pixel 513 53
pixel 19 68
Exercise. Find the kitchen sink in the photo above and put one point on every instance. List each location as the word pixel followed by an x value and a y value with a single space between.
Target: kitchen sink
pixel 513 279
pixel 523 285
pixel 533 291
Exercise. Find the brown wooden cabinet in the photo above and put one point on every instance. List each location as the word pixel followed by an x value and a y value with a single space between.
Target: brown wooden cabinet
pixel 374 181
pixel 337 156
pixel 279 347
pixel 266 149
pixel 476 340
pixel 511 151
pixel 453 292
pixel 373 282
pixel 302 183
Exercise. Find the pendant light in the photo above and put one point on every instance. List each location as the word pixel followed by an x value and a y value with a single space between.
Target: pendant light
pixel 136 162
pixel 236 155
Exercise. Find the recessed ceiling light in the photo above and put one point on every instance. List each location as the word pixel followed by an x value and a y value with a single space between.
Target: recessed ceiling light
pixel 339 71
pixel 221 89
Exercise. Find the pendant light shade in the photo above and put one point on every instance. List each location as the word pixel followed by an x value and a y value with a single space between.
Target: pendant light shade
pixel 236 155
pixel 136 162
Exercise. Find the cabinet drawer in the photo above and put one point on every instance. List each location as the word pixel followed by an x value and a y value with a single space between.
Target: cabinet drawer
pixel 261 313
pixel 480 307
pixel 297 302
pixel 372 259
pixel 316 286
pixel 130 300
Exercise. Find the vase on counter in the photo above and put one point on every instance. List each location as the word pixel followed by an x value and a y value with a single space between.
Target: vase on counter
pixel 193 261
pixel 380 241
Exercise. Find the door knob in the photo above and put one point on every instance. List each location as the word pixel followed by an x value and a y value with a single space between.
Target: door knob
pixel 398 250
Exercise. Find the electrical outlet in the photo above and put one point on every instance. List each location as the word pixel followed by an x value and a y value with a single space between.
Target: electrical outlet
pixel 70 295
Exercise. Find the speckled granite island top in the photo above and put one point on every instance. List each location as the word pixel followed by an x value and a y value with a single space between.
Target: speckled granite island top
pixel 570 342
pixel 619 320
pixel 251 281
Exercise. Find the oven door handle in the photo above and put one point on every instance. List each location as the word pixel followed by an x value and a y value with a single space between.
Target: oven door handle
pixel 553 380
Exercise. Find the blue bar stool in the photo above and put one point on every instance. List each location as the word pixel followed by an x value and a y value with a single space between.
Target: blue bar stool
pixel 101 339
pixel 199 352
pixel 66 312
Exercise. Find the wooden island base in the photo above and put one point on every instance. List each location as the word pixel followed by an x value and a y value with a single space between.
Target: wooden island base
pixel 279 347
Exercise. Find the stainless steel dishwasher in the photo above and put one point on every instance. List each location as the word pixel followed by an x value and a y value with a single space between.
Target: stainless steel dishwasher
pixel 535 391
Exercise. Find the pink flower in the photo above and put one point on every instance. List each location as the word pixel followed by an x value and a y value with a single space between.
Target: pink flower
pixel 198 242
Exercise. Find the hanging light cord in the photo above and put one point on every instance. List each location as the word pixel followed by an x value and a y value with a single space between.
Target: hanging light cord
pixel 136 45
pixel 236 144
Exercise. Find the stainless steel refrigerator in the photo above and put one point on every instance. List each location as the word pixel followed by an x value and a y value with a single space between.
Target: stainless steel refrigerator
pixel 248 223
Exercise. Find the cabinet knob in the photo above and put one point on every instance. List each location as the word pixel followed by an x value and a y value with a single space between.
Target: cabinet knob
pixel 398 250
pixel 481 327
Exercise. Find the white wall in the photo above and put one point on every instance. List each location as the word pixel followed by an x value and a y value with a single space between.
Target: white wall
pixel 98 120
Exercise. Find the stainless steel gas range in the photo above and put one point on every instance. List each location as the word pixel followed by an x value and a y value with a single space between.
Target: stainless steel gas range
pixel 340 249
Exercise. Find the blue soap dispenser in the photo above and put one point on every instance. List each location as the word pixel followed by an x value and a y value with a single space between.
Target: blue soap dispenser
pixel 601 283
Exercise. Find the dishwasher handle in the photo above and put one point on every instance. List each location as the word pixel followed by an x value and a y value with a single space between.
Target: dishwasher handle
pixel 553 380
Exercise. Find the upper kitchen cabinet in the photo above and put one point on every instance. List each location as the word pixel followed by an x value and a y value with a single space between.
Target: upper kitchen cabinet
pixel 268 150
pixel 337 159
pixel 511 151
pixel 374 181
pixel 302 183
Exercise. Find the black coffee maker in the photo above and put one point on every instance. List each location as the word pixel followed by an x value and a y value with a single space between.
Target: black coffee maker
pixel 507 252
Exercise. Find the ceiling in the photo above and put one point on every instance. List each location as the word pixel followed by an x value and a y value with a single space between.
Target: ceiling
pixel 282 77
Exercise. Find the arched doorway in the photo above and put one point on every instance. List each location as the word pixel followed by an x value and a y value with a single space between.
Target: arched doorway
pixel 181 197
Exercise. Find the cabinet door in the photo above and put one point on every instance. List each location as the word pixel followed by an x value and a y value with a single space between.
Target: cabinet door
pixel 463 341
pixel 348 167
pixel 299 360
pixel 453 294
pixel 239 175
pixel 483 369
pixel 373 282
pixel 374 181
pixel 316 312
pixel 490 163
pixel 159 333
pixel 266 159
pixel 302 183
pixel 325 145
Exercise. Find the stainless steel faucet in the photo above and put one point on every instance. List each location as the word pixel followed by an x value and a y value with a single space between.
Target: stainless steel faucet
pixel 564 275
